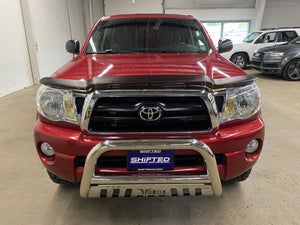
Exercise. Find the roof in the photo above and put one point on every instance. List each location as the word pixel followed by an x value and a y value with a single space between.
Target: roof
pixel 128 16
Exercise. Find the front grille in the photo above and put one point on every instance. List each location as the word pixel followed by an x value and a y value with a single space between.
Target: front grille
pixel 120 161
pixel 256 63
pixel 270 65
pixel 121 114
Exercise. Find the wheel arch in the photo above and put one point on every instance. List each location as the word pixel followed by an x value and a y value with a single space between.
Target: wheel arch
pixel 288 62
pixel 246 53
pixel 284 68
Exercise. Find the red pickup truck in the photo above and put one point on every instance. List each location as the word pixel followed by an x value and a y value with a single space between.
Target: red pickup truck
pixel 148 107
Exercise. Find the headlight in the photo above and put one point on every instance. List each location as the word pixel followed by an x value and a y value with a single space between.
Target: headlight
pixel 56 104
pixel 241 103
pixel 256 54
pixel 276 54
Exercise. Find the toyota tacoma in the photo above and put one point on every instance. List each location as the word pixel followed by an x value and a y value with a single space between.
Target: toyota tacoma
pixel 148 107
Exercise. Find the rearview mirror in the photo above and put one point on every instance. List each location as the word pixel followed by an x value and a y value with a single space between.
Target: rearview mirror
pixel 224 45
pixel 72 46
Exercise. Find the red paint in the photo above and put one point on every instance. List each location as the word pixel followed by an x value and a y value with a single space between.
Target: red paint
pixel 68 141
pixel 230 141
pixel 87 67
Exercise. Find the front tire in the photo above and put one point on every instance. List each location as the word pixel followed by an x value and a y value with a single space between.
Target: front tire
pixel 239 178
pixel 240 60
pixel 59 180
pixel 291 71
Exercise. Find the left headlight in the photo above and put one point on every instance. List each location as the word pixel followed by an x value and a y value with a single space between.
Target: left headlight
pixel 56 104
pixel 241 103
pixel 276 54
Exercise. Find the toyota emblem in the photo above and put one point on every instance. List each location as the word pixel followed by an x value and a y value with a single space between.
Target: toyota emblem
pixel 153 113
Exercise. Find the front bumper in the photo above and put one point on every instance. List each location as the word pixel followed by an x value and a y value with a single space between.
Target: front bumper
pixel 69 143
pixel 94 186
pixel 267 64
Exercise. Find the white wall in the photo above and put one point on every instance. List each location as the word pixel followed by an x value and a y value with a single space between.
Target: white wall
pixel 113 7
pixel 216 10
pixel 15 72
pixel 51 31
pixel 92 10
pixel 280 13
pixel 76 20
pixel 216 14
pixel 97 9
pixel 34 33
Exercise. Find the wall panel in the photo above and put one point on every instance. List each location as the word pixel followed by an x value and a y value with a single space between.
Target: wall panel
pixel 15 71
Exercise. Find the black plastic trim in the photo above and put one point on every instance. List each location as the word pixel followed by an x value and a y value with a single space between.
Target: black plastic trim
pixel 164 80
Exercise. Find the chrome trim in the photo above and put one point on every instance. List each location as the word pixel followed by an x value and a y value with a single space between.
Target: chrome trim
pixel 206 96
pixel 87 109
pixel 92 185
pixel 75 108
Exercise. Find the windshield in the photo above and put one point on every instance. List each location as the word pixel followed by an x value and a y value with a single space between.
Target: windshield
pixel 295 41
pixel 152 35
pixel 252 36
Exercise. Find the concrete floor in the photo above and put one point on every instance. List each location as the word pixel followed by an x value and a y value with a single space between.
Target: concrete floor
pixel 270 196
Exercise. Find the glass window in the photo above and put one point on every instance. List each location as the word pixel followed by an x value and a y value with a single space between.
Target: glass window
pixel 153 35
pixel 296 41
pixel 214 30
pixel 251 37
pixel 235 31
pixel 288 35
pixel 269 38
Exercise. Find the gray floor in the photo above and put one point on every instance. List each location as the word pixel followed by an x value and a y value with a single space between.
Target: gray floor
pixel 270 196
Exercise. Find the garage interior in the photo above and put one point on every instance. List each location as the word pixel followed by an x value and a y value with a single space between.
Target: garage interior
pixel 33 47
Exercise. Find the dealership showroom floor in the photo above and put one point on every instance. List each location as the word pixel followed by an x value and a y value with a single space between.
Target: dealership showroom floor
pixel 269 196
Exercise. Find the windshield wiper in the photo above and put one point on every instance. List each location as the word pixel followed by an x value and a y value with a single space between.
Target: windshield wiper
pixel 170 51
pixel 111 51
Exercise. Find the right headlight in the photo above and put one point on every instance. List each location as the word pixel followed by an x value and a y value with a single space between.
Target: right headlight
pixel 56 104
pixel 241 103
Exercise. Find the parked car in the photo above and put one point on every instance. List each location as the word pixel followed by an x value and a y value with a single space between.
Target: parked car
pixel 241 53
pixel 148 108
pixel 282 59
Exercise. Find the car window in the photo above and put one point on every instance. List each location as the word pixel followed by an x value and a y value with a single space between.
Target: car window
pixel 250 37
pixel 154 35
pixel 295 41
pixel 269 38
pixel 288 35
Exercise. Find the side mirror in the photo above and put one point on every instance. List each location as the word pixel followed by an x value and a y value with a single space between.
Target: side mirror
pixel 72 46
pixel 224 45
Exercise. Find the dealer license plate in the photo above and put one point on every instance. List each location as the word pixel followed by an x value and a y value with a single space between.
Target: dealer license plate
pixel 150 160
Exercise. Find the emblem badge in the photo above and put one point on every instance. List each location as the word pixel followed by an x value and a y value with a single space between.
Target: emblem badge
pixel 153 113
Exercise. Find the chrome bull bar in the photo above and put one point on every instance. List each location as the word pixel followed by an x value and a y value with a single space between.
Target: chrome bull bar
pixel 146 185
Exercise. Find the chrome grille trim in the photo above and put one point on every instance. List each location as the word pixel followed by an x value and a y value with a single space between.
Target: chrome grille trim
pixel 205 93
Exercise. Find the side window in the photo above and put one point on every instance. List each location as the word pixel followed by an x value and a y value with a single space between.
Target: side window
pixel 288 35
pixel 260 39
pixel 271 37
pixel 268 38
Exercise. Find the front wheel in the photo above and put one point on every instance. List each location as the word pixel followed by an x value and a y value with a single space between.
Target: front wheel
pixel 240 60
pixel 239 178
pixel 292 70
pixel 59 180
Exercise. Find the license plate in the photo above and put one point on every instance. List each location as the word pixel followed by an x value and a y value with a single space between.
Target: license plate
pixel 150 160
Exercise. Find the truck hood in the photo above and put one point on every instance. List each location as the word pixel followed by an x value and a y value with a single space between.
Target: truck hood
pixel 85 67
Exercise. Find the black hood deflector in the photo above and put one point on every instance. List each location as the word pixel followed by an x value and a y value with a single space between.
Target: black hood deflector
pixel 147 81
